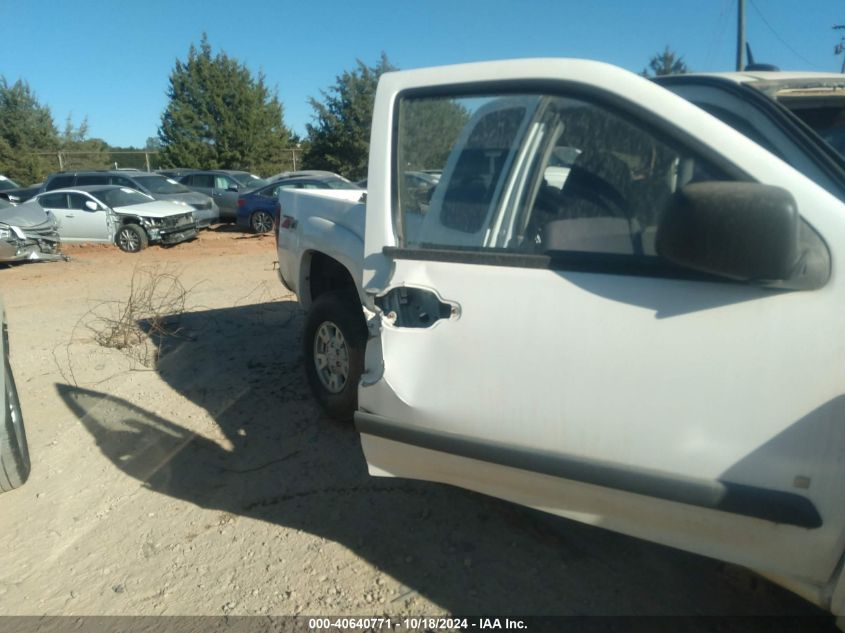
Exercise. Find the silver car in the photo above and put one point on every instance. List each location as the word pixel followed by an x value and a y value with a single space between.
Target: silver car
pixel 154 185
pixel 124 216
pixel 27 234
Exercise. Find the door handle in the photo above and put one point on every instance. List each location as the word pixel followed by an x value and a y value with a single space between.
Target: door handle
pixel 411 307
pixel 69 215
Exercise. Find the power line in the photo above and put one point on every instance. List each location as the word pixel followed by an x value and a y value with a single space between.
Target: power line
pixel 782 41
pixel 716 41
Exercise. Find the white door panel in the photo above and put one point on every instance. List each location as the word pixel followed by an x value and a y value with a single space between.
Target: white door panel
pixel 89 226
pixel 701 414
pixel 742 540
pixel 652 388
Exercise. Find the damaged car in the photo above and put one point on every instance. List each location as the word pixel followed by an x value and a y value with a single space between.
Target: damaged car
pixel 27 234
pixel 119 215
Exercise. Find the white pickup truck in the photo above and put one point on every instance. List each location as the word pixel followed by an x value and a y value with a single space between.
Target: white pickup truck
pixel 612 307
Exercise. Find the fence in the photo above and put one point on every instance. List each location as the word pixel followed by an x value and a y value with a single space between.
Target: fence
pixel 63 161
pixel 146 160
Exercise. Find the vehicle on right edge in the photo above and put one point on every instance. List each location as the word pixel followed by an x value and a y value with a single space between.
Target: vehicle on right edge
pixel 779 111
pixel 614 307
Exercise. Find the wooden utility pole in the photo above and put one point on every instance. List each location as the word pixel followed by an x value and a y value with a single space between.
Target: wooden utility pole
pixel 840 47
pixel 740 35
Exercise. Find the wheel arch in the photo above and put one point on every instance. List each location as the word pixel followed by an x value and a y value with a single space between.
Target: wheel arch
pixel 322 274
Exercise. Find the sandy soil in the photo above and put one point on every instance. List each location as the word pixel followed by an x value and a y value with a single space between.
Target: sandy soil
pixel 210 483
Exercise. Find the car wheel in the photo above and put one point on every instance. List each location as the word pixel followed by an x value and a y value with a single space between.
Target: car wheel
pixel 261 222
pixel 334 342
pixel 14 452
pixel 131 238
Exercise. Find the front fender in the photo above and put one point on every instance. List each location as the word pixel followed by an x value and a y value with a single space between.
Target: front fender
pixel 319 235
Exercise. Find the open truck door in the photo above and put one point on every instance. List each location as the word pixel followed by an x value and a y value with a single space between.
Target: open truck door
pixel 613 308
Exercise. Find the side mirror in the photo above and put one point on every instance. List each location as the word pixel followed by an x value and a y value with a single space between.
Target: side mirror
pixel 740 230
pixel 233 188
pixel 91 205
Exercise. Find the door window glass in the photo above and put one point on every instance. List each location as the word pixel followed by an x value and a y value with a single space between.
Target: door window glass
pixel 92 179
pixel 535 174
pixel 77 201
pixel 60 181
pixel 54 201
pixel 222 182
pixel 202 180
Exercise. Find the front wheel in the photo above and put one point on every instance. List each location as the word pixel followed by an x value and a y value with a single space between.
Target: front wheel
pixel 131 238
pixel 261 222
pixel 14 453
pixel 334 343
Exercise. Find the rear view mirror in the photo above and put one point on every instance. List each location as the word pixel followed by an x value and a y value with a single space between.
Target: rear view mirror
pixel 740 230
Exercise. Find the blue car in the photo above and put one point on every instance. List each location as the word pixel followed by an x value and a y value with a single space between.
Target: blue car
pixel 258 210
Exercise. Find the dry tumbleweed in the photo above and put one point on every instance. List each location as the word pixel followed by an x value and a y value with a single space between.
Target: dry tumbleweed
pixel 151 312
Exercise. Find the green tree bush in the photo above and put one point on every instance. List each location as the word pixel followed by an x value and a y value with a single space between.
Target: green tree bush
pixel 26 128
pixel 220 116
pixel 665 63
pixel 339 138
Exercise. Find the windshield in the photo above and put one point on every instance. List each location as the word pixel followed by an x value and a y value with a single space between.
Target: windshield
pixel 818 102
pixel 160 184
pixel 123 197
pixel 340 184
pixel 248 180
pixel 788 121
pixel 825 117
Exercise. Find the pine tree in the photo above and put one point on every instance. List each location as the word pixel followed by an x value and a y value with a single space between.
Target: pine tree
pixel 26 128
pixel 665 63
pixel 220 116
pixel 339 138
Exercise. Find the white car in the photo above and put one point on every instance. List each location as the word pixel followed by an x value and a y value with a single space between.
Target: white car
pixel 120 215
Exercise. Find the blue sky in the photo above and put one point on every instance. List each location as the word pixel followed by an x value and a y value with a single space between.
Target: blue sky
pixel 110 61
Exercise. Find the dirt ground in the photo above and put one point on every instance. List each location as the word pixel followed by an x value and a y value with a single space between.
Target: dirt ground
pixel 208 483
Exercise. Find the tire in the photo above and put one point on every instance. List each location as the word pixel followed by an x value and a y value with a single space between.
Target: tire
pixel 334 342
pixel 131 238
pixel 261 222
pixel 14 452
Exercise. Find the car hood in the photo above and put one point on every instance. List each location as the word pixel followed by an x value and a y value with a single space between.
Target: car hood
pixel 189 197
pixel 21 193
pixel 27 215
pixel 154 209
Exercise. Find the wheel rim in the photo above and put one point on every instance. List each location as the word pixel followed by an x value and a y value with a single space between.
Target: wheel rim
pixel 128 240
pixel 331 357
pixel 262 222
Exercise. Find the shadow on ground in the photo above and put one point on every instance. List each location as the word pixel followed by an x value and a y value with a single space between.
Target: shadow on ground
pixel 289 466
pixel 232 227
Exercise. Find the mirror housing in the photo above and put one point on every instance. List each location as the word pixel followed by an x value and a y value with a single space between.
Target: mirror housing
pixel 740 230
pixel 91 205
pixel 233 188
